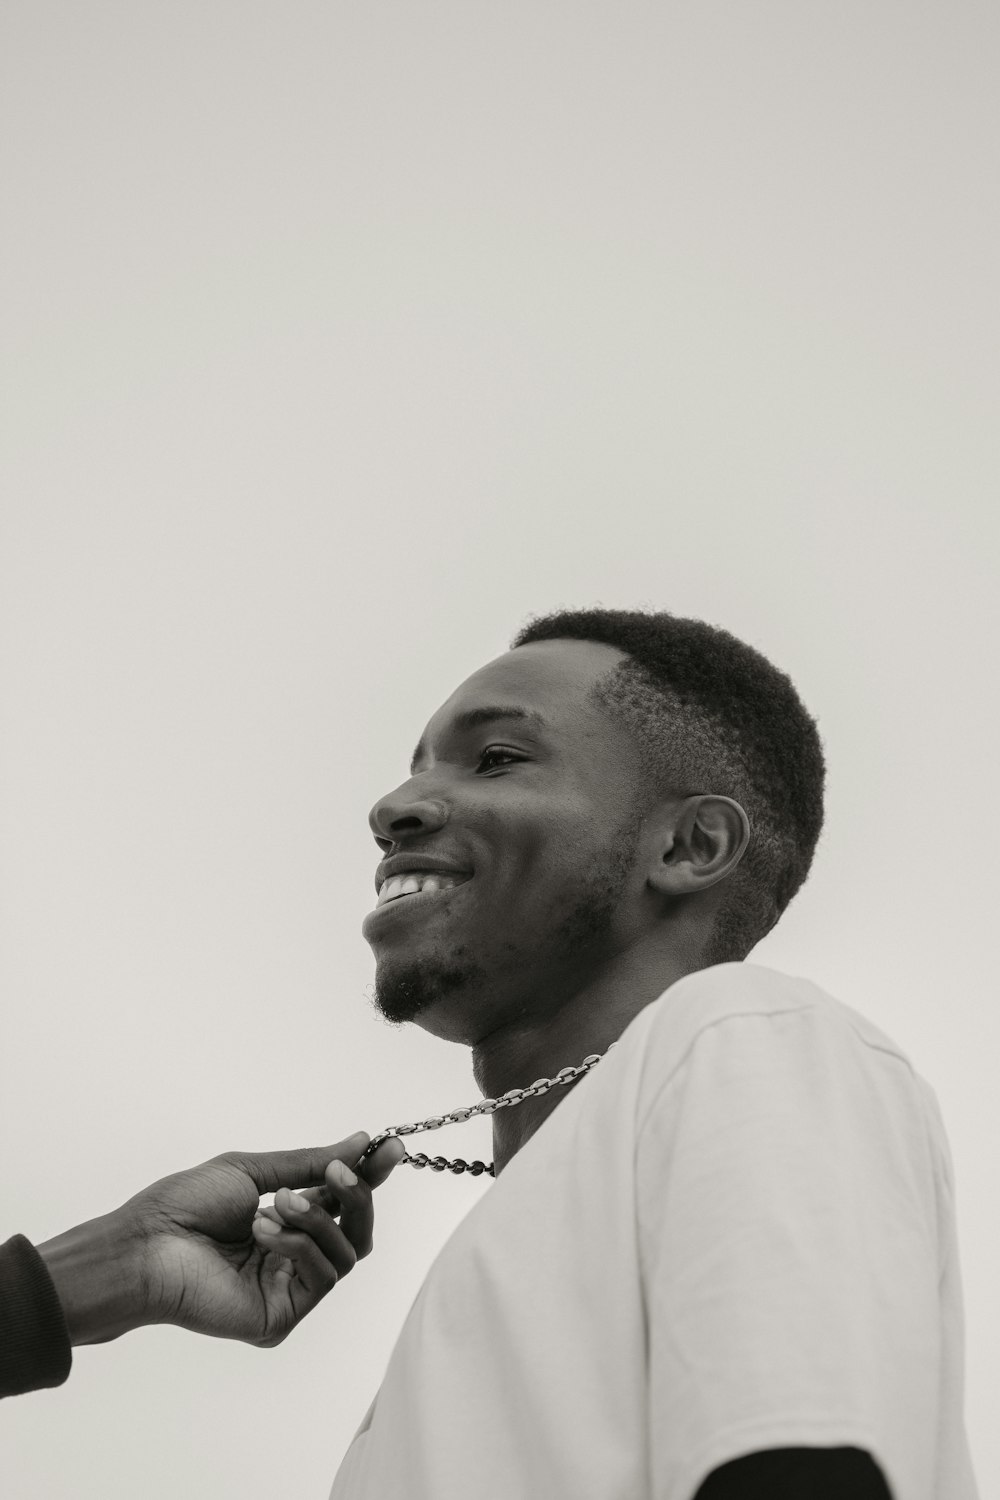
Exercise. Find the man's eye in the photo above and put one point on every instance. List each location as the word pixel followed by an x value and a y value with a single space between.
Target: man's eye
pixel 495 755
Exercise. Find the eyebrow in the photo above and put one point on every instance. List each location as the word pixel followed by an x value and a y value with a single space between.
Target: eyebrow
pixel 488 714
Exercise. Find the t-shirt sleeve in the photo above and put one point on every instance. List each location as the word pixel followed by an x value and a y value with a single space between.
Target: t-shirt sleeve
pixel 35 1350
pixel 789 1251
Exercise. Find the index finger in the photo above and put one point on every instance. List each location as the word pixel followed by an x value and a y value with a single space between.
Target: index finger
pixel 270 1170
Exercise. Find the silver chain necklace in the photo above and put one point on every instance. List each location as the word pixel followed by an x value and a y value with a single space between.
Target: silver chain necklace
pixel 484 1107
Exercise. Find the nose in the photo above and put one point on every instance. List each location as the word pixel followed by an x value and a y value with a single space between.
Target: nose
pixel 396 815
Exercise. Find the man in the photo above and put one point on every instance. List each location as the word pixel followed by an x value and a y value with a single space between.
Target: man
pixel 720 1262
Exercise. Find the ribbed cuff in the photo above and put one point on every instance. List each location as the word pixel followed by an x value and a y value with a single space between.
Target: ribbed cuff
pixel 35 1351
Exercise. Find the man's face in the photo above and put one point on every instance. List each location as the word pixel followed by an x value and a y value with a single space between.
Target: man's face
pixel 522 788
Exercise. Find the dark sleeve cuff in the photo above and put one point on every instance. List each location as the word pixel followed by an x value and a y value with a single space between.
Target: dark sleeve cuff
pixel 790 1473
pixel 35 1351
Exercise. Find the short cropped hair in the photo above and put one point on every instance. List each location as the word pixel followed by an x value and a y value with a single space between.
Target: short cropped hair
pixel 710 714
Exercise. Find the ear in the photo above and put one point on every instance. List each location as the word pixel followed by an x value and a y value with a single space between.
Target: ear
pixel 700 841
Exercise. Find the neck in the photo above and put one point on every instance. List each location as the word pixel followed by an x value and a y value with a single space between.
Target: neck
pixel 541 1040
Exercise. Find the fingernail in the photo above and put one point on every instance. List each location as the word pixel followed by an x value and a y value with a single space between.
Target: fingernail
pixel 342 1175
pixel 267 1226
pixel 296 1203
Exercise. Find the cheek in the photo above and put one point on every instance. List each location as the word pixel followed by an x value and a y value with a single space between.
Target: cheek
pixel 547 862
pixel 537 847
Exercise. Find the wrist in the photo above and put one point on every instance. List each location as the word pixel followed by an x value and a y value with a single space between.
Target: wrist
pixel 98 1283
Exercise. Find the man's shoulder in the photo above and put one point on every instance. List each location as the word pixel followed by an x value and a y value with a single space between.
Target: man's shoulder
pixel 725 996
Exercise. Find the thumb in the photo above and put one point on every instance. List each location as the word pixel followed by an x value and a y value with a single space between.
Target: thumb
pixel 270 1170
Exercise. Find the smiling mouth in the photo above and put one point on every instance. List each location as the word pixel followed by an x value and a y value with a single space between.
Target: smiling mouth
pixel 405 887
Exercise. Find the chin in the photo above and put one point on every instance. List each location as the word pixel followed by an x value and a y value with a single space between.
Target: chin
pixel 434 992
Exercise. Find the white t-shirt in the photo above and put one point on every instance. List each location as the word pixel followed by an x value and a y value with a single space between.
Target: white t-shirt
pixel 736 1233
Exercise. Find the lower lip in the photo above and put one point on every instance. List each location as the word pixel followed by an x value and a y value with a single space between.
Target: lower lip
pixel 418 900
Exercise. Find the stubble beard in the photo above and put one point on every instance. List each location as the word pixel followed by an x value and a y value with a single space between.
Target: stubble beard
pixel 406 989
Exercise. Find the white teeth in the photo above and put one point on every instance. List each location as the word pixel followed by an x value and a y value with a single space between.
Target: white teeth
pixel 410 885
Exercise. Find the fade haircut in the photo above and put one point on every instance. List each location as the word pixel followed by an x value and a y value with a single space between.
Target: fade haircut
pixel 710 714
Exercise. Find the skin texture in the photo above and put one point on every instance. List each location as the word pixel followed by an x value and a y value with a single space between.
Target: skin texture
pixel 582 908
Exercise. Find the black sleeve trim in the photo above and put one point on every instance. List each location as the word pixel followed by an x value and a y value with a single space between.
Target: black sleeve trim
pixel 791 1473
pixel 35 1351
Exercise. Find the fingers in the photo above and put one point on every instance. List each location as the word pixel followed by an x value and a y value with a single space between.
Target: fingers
pixel 308 1236
pixel 376 1168
pixel 314 1272
pixel 305 1168
pixel 270 1170
pixel 357 1211
pixel 372 1169
pixel 341 1244
pixel 312 1212
pixel 345 1196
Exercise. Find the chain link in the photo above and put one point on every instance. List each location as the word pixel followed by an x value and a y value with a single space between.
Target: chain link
pixel 484 1107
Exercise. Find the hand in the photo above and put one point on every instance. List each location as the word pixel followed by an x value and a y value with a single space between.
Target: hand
pixel 191 1248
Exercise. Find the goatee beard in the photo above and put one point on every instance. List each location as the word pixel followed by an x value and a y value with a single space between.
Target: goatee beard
pixel 403 991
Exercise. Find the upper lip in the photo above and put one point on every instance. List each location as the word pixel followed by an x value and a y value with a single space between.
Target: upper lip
pixel 411 864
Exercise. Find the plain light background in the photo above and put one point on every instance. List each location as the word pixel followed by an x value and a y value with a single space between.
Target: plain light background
pixel 338 339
